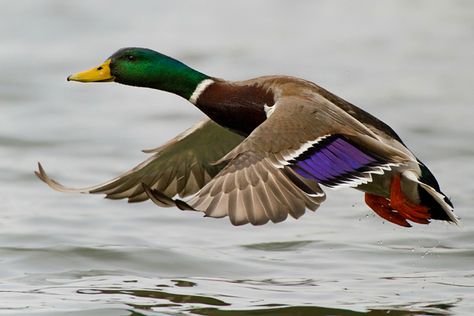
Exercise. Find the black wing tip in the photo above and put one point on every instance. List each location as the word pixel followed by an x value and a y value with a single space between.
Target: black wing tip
pixel 40 173
pixel 161 199
pixel 53 184
pixel 43 176
pixel 154 196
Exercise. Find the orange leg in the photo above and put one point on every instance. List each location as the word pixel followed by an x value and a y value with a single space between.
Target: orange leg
pixel 398 209
pixel 409 210
pixel 381 206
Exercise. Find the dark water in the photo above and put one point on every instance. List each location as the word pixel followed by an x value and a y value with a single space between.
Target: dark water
pixel 408 62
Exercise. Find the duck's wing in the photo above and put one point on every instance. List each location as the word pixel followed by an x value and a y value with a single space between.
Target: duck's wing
pixel 182 166
pixel 275 171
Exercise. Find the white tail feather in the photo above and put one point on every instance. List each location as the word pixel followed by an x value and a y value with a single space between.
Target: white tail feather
pixel 440 199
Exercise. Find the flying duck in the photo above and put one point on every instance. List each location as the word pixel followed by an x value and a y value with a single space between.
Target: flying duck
pixel 265 150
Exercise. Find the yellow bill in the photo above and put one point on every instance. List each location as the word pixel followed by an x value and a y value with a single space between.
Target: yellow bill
pixel 96 74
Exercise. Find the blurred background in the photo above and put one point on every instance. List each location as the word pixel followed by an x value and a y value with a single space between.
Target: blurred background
pixel 407 62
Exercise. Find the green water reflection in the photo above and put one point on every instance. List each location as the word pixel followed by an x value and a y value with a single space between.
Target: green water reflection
pixel 308 311
pixel 173 302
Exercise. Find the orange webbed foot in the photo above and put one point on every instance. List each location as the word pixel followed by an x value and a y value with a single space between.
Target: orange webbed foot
pixel 398 209
pixel 381 206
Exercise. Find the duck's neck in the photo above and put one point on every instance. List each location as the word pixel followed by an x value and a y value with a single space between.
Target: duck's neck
pixel 167 74
pixel 240 107
pixel 182 80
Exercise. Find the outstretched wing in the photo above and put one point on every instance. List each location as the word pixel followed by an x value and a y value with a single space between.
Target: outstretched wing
pixel 251 188
pixel 275 171
pixel 182 166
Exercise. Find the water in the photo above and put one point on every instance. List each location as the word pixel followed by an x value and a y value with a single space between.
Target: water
pixel 408 62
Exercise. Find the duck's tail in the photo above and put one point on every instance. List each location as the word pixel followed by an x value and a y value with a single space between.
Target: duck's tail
pixel 400 208
pixel 439 205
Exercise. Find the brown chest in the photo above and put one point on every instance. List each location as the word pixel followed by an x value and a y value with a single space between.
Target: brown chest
pixel 239 108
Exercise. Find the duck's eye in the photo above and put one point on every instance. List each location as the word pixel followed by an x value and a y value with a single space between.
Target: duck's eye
pixel 131 57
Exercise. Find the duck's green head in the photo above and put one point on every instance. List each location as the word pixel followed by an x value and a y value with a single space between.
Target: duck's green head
pixel 144 68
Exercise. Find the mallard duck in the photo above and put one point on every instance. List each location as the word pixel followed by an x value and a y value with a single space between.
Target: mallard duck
pixel 265 150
